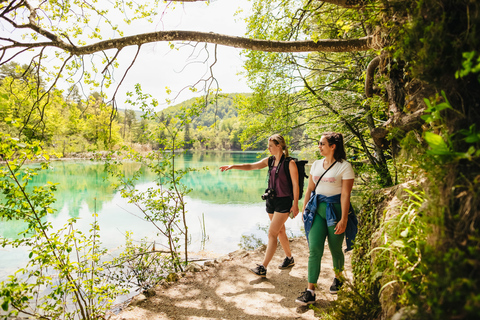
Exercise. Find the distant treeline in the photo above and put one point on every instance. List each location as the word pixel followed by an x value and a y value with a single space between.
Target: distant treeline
pixel 68 123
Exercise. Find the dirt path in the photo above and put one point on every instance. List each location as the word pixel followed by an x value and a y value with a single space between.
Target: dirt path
pixel 227 290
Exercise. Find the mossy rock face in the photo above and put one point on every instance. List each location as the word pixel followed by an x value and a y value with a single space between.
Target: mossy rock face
pixel 390 207
pixel 378 208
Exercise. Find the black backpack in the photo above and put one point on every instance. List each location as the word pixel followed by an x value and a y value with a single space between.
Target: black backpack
pixel 301 172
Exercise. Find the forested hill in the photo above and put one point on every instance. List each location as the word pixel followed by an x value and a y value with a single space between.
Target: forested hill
pixel 215 127
pixel 221 109
pixel 216 110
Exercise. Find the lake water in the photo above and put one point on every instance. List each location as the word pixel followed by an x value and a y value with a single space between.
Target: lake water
pixel 229 203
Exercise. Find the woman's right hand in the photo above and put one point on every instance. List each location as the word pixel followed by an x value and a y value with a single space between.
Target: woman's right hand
pixel 225 168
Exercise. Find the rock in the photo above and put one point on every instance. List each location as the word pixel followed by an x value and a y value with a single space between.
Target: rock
pixel 262 248
pixel 138 299
pixel 149 292
pixel 209 264
pixel 194 267
pixel 163 283
pixel 238 253
pixel 222 259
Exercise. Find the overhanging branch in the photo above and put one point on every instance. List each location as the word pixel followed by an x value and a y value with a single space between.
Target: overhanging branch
pixel 328 45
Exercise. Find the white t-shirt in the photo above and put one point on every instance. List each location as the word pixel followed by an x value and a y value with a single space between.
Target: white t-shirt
pixel 331 183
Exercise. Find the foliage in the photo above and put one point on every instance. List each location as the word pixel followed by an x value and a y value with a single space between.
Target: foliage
pixel 441 144
pixel 63 278
pixel 65 124
pixel 436 36
pixel 301 95
pixel 429 258
pixel 34 116
pixel 139 266
pixel 400 257
pixel 469 65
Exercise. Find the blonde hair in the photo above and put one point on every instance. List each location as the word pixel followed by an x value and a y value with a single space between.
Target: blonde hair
pixel 279 140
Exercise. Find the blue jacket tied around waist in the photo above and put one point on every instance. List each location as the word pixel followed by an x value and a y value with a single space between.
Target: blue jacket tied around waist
pixel 311 210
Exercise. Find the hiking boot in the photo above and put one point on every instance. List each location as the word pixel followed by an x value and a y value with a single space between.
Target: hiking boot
pixel 306 298
pixel 259 270
pixel 287 263
pixel 336 285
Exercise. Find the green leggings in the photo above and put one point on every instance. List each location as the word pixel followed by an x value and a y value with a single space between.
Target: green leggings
pixel 316 239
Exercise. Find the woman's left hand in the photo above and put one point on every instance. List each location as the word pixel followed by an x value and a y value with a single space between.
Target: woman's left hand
pixel 294 209
pixel 341 226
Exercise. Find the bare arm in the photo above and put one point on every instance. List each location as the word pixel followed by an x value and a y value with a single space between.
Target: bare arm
pixel 246 166
pixel 310 188
pixel 295 187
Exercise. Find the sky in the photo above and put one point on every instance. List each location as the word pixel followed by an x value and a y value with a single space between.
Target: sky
pixel 158 66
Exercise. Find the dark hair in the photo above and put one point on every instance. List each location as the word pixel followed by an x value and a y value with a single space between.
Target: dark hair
pixel 336 139
pixel 279 140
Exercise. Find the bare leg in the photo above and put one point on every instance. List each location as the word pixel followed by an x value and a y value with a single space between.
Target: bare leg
pixel 278 222
pixel 282 236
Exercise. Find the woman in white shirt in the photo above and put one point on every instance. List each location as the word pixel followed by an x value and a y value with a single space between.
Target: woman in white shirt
pixel 329 220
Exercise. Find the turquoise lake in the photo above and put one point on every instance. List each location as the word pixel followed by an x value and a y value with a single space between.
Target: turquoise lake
pixel 229 203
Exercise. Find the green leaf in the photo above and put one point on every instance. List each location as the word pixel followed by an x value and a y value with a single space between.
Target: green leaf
pixel 427 118
pixel 436 143
pixel 427 102
pixel 5 305
pixel 443 106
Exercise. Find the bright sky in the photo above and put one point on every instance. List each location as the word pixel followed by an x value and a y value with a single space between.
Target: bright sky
pixel 158 67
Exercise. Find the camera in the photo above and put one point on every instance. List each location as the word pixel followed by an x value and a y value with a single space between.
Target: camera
pixel 269 194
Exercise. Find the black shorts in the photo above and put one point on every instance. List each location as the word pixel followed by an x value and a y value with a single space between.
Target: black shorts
pixel 282 205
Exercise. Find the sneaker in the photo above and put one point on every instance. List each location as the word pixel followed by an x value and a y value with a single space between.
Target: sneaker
pixel 259 270
pixel 336 285
pixel 287 263
pixel 306 298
